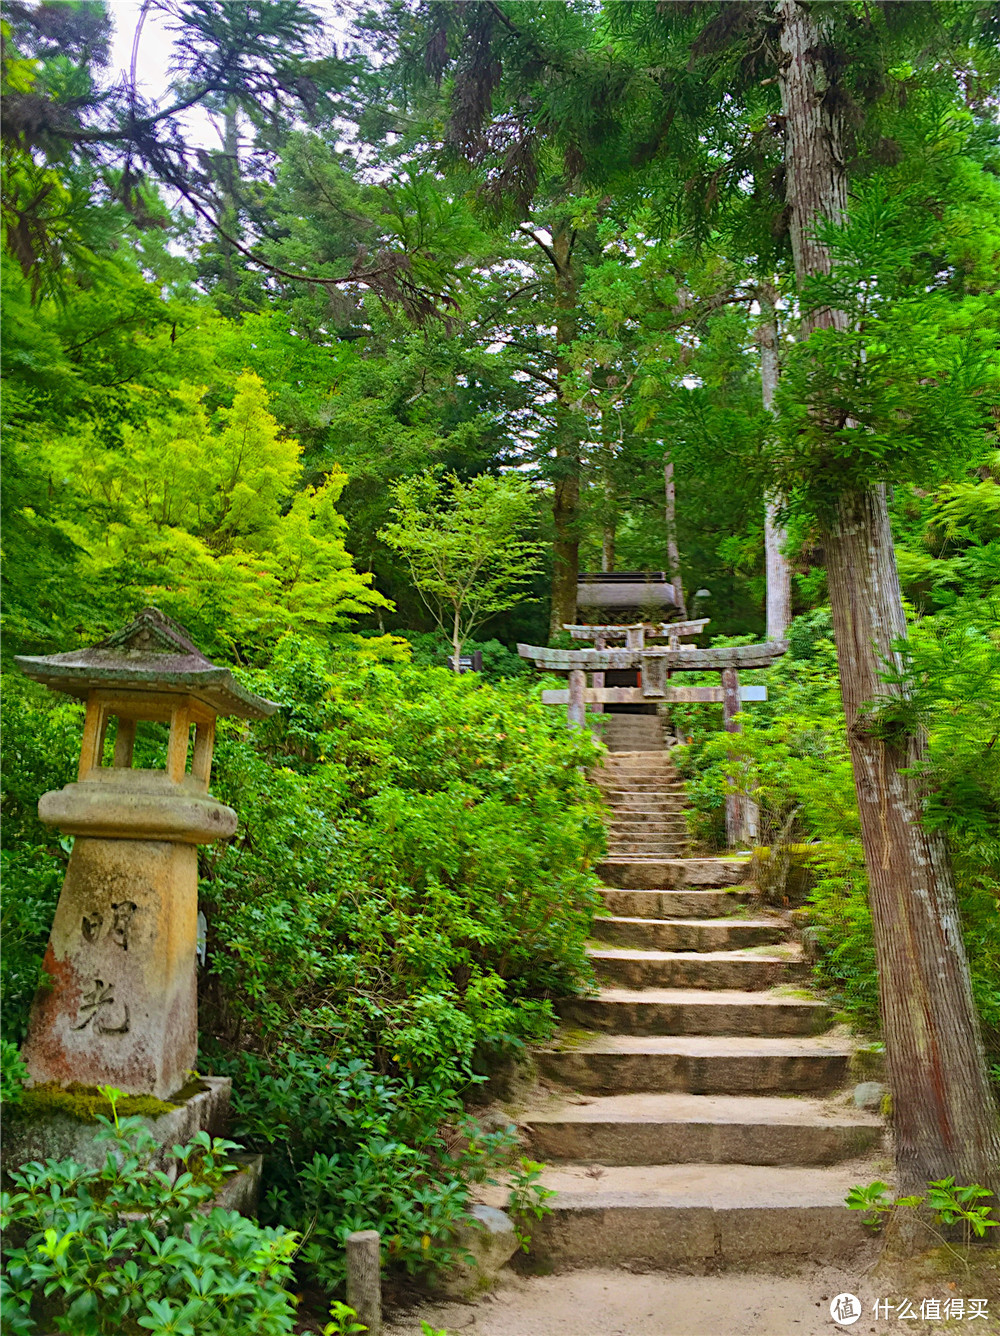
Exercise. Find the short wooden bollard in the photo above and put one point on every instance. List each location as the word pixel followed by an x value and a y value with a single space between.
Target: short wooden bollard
pixel 364 1279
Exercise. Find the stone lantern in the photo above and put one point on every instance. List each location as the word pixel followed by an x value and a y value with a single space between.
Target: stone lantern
pixel 121 1007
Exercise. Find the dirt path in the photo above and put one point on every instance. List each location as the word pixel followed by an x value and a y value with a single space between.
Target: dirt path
pixel 617 1303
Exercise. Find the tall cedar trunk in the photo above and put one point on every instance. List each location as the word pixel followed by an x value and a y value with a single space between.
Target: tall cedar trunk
pixel 778 572
pixel 229 215
pixel 945 1119
pixel 673 554
pixel 609 501
pixel 566 491
pixel 608 545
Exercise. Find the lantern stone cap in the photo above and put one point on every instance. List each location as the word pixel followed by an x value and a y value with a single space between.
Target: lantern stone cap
pixel 151 653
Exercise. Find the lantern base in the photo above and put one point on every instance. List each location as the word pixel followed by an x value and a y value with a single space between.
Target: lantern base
pixel 121 1004
pixel 138 805
pixel 58 1124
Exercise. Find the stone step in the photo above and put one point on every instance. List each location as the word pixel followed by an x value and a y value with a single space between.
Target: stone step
pixel 639 804
pixel 677 1011
pixel 725 934
pixel 706 1129
pixel 665 848
pixel 639 761
pixel 740 971
pixel 617 1064
pixel 638 822
pixel 698 1217
pixel 638 765
pixel 641 874
pixel 673 904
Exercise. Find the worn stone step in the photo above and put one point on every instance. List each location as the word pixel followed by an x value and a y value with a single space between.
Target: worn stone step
pixel 636 805
pixel 638 874
pixel 637 822
pixel 673 904
pixel 692 1011
pixel 699 1218
pixel 707 1129
pixel 740 971
pixel 688 934
pixel 611 1064
pixel 627 768
pixel 647 849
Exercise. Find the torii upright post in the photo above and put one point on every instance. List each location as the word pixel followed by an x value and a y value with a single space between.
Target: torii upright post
pixel 577 712
pixel 735 806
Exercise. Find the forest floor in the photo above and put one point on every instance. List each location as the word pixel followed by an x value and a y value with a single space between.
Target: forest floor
pixel 620 1303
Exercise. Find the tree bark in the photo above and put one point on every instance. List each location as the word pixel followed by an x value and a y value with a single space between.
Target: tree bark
pixel 566 490
pixel 943 1111
pixel 777 571
pixel 673 554
pixel 945 1118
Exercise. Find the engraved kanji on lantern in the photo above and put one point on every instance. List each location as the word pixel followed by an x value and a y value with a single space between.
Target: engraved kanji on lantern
pixel 120 1004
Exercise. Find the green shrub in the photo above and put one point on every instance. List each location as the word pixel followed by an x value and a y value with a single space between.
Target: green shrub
pixel 792 760
pixel 125 1251
pixel 347 1148
pixel 411 885
pixel 13 1074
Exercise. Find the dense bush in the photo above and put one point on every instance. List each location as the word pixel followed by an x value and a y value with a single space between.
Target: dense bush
pixel 125 1249
pixel 792 759
pixel 409 888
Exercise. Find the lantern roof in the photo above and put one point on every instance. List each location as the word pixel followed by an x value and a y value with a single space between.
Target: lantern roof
pixel 151 653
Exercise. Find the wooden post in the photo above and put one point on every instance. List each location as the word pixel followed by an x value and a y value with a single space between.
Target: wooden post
pixel 735 820
pixel 177 743
pixel 364 1280
pixel 124 744
pixel 576 715
pixel 94 725
pixel 201 761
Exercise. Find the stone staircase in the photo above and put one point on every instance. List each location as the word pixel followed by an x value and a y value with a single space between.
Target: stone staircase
pixel 691 1121
pixel 646 798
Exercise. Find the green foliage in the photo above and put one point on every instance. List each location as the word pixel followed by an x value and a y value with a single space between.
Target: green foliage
pixel 791 758
pixel 411 886
pixel 40 749
pixel 343 1323
pixel 464 546
pixel 13 1074
pixel 205 521
pixel 951 1204
pixel 348 1148
pixel 125 1248
pixel 527 1198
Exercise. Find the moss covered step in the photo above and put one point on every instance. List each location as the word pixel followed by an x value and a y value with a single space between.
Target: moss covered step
pixel 725 934
pixel 705 1129
pixel 612 1064
pixel 672 904
pixel 744 971
pixel 696 1012
pixel 699 1218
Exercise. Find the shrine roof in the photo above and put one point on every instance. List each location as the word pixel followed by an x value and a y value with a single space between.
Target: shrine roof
pixel 151 653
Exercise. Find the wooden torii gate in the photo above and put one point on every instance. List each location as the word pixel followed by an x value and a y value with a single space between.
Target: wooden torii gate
pixel 656 665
